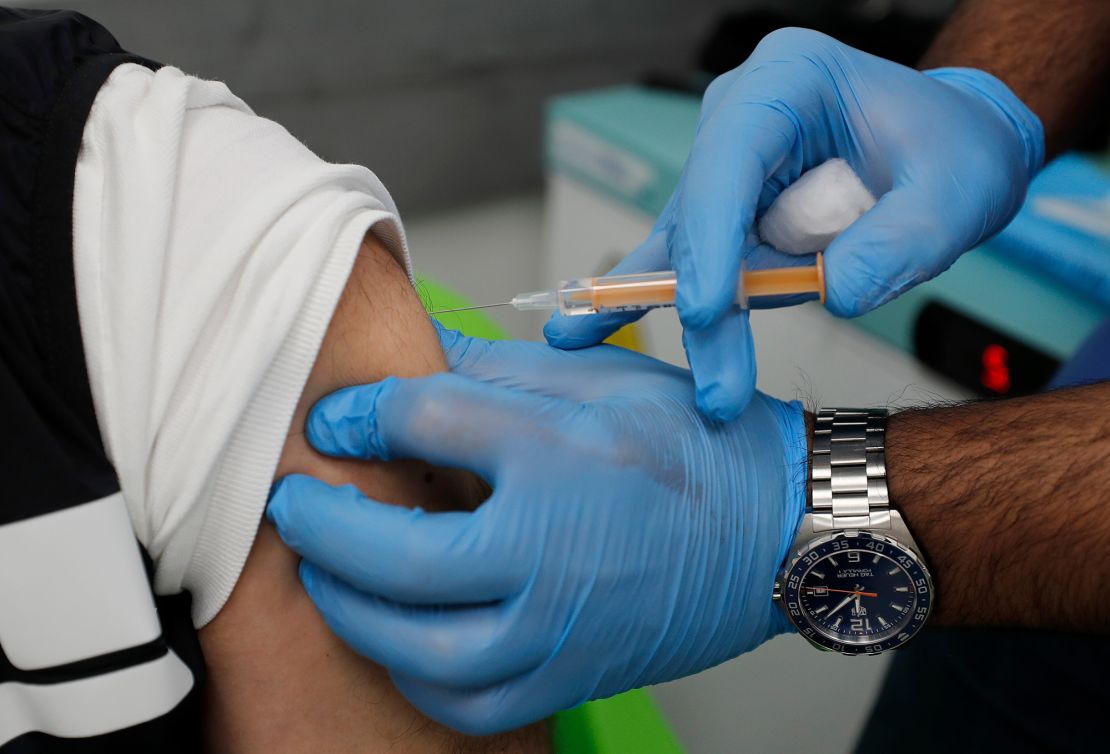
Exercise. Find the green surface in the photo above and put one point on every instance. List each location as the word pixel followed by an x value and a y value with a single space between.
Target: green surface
pixel 475 324
pixel 626 724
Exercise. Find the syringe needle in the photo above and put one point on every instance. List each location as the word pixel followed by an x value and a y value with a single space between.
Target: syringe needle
pixel 470 308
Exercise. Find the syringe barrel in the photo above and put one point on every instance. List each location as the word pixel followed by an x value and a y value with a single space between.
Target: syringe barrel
pixel 650 290
pixel 783 281
pixel 614 293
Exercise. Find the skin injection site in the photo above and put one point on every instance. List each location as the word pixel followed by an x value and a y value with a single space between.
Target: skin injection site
pixel 595 377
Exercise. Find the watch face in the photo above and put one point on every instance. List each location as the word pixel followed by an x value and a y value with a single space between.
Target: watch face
pixel 857 592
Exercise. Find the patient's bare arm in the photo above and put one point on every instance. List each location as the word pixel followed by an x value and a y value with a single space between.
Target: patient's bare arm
pixel 279 680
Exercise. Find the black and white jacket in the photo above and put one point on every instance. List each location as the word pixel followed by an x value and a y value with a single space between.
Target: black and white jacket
pixel 90 659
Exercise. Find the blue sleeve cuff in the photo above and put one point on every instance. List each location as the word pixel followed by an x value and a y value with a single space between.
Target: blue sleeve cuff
pixel 1024 120
pixel 797 473
pixel 796 451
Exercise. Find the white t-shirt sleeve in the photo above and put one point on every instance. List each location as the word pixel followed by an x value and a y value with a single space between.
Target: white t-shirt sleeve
pixel 210 251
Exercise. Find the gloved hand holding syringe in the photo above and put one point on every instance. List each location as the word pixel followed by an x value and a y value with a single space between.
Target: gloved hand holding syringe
pixel 804 219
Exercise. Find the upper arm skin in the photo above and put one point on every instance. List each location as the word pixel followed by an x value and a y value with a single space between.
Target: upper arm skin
pixel 278 679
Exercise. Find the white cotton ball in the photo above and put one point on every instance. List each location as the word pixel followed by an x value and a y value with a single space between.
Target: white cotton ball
pixel 813 210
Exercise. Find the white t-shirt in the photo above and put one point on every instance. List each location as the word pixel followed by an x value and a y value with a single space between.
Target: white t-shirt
pixel 210 250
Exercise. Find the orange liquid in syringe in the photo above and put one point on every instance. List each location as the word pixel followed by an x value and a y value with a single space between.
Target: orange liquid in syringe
pixel 615 293
pixel 787 280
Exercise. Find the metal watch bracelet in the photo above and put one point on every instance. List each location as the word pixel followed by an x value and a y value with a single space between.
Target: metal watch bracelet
pixel 848 473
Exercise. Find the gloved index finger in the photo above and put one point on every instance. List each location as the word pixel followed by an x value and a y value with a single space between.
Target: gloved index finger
pixel 722 358
pixel 576 375
pixel 445 419
pixel 495 361
pixel 732 157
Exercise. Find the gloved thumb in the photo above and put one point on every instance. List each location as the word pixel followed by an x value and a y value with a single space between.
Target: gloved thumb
pixel 589 330
pixel 902 241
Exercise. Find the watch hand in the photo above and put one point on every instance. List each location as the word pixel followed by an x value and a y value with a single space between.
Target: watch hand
pixel 843 602
pixel 848 591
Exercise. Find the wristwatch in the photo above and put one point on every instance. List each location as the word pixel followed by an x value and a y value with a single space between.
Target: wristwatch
pixel 854 580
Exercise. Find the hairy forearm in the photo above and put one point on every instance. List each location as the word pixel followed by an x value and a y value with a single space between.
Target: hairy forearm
pixel 1054 55
pixel 1011 502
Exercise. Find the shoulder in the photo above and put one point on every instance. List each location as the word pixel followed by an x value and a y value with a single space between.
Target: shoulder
pixel 41 51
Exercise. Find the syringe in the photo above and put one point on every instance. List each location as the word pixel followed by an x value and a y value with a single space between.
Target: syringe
pixel 651 290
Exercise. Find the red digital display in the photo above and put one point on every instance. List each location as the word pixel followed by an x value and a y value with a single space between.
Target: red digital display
pixel 996 369
pixel 977 356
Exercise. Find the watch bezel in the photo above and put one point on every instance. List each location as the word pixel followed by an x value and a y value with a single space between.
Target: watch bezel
pixel 788 595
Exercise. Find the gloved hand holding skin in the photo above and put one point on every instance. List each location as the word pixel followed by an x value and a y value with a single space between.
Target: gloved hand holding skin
pixel 949 152
pixel 628 540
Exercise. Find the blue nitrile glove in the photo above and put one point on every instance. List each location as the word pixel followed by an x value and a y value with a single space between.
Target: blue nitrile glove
pixel 628 539
pixel 949 153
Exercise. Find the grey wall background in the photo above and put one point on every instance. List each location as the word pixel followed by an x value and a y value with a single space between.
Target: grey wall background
pixel 442 99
